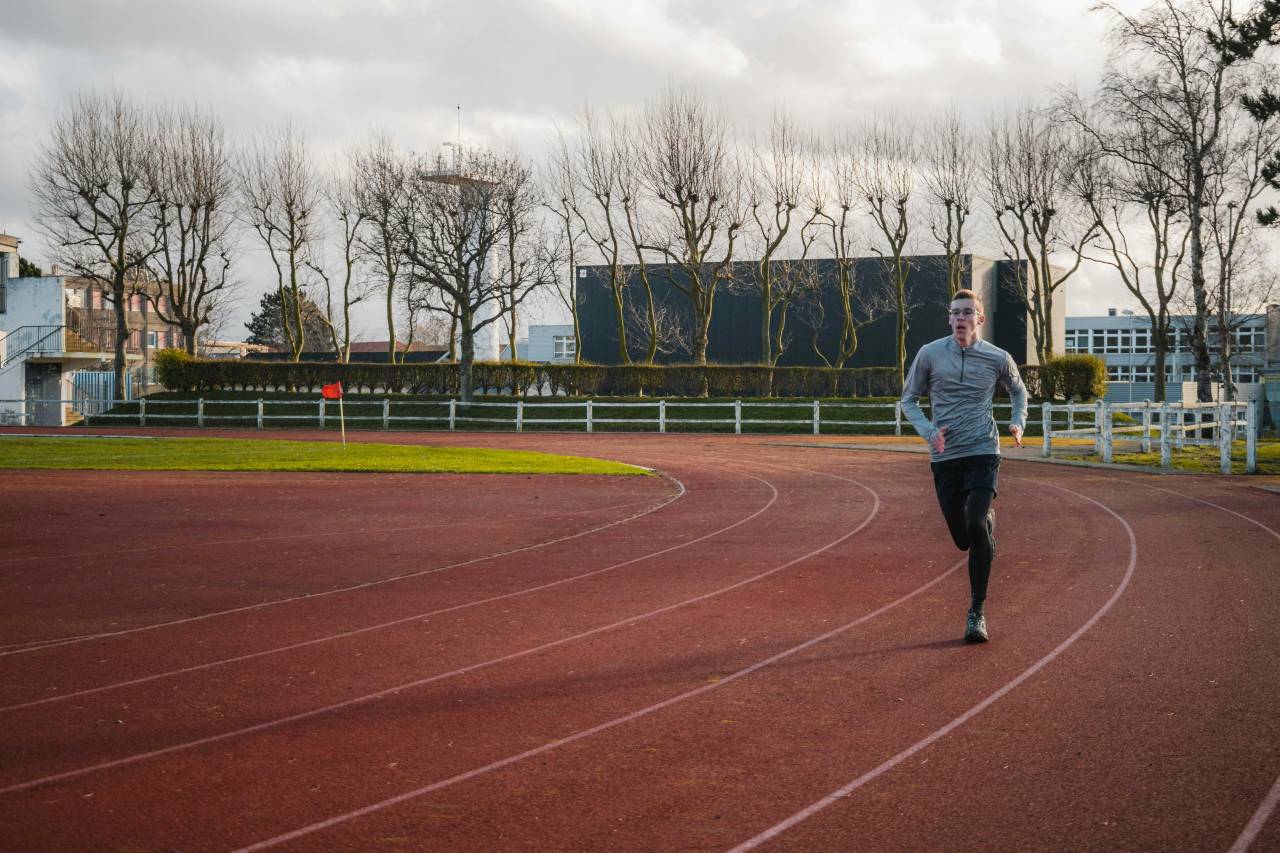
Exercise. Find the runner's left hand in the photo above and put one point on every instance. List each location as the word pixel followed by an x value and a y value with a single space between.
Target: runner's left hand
pixel 1016 432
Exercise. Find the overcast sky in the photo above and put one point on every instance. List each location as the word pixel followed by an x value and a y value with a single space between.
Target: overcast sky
pixel 518 68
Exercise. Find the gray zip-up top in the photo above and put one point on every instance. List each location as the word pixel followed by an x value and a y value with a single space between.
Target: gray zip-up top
pixel 960 382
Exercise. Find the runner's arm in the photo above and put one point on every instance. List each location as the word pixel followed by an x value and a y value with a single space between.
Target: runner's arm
pixel 916 386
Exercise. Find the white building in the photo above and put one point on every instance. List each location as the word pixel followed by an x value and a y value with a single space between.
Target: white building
pixel 1123 341
pixel 551 344
pixel 38 349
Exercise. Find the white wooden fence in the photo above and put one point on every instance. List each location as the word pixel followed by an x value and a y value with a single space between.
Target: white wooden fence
pixel 455 414
pixel 1174 425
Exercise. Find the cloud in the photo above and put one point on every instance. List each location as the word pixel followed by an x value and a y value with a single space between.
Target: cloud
pixel 338 68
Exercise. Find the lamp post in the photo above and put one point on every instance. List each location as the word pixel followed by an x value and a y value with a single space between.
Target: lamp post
pixel 1129 313
pixel 1229 387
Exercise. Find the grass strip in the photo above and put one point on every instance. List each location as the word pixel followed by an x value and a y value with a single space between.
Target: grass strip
pixel 224 454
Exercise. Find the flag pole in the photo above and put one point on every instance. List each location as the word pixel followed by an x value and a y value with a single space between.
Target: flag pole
pixel 342 422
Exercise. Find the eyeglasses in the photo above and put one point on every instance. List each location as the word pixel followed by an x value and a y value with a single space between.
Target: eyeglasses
pixel 963 312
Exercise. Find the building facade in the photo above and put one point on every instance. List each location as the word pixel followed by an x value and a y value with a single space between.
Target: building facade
pixel 736 319
pixel 1122 339
pixel 55 329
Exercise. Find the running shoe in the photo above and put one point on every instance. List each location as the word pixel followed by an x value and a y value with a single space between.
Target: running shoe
pixel 975 628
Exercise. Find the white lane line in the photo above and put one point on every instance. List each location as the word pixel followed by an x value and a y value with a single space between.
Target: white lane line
pixel 356 700
pixel 838 794
pixel 1252 521
pixel 617 721
pixel 365 585
pixel 417 616
pixel 285 537
pixel 1272 799
pixel 1258 820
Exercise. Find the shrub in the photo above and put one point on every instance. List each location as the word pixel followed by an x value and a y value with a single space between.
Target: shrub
pixel 1073 377
pixel 173 369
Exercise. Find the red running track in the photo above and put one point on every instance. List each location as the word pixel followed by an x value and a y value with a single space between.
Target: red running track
pixel 758 649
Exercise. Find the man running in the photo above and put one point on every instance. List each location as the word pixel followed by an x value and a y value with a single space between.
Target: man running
pixel 959 374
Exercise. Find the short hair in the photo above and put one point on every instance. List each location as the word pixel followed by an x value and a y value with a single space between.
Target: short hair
pixel 969 294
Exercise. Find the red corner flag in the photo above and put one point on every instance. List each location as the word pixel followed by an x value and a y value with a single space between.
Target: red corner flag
pixel 332 391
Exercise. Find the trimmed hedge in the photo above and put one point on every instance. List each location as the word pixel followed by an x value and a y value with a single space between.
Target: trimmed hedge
pixel 179 372
pixel 1071 377
pixel 1082 377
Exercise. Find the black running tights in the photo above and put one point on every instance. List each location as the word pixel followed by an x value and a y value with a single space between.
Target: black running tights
pixel 966 514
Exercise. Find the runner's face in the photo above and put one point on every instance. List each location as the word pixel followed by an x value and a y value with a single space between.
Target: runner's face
pixel 965 325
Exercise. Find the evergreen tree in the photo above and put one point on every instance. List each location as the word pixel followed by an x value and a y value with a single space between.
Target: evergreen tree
pixel 26 268
pixel 1243 40
pixel 265 326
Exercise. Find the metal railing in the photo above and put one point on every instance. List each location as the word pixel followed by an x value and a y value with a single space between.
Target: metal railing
pixel 29 340
pixel 1174 425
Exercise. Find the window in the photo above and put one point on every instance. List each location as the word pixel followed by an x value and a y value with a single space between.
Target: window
pixel 563 346
pixel 1244 374
pixel 1144 373
pixel 1112 345
pixel 153 340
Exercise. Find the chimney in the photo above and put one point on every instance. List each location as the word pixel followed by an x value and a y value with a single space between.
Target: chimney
pixel 53 269
pixel 1111 312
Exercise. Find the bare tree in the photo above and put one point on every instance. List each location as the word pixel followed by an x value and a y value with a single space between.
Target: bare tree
pixel 449 226
pixel 529 255
pixel 1029 163
pixel 774 192
pixel 1142 229
pixel 950 181
pixel 665 328
pixel 381 176
pixel 885 157
pixel 1236 273
pixel 341 192
pixel 562 202
pixel 637 210
pixel 687 163
pixel 598 205
pixel 194 211
pixel 1167 73
pixel 280 192
pixel 93 191
pixel 836 199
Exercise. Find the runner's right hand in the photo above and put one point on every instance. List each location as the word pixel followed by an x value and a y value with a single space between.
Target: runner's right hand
pixel 939 440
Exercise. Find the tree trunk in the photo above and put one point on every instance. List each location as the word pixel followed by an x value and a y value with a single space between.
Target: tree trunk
pixel 119 365
pixel 465 382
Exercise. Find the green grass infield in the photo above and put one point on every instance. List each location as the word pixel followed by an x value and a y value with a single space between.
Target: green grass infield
pixel 224 454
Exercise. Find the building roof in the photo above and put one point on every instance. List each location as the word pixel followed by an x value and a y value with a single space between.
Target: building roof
pixel 381 346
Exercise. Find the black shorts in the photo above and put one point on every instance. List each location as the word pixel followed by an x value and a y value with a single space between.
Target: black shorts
pixel 953 477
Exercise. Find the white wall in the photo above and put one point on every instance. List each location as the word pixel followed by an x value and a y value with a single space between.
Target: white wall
pixel 541 348
pixel 33 302
pixel 28 302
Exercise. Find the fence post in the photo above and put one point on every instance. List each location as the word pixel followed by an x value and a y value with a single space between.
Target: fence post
pixel 1106 433
pixel 453 414
pixel 662 416
pixel 322 413
pixel 817 408
pixel 1166 454
pixel 519 415
pixel 1251 436
pixel 737 417
pixel 1145 445
pixel 142 412
pixel 1226 430
pixel 588 416
pixel 1046 427
pixel 200 412
pixel 897 418
pixel 1071 413
pixel 1099 412
pixel 386 413
pixel 259 413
